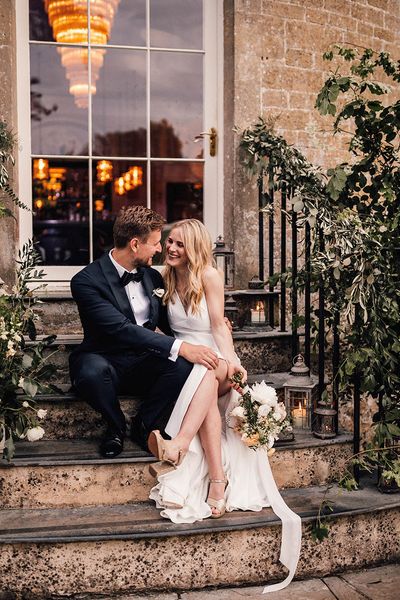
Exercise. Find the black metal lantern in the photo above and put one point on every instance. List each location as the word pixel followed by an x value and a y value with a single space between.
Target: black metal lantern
pixel 232 312
pixel 225 260
pixel 300 391
pixel 389 486
pixel 324 421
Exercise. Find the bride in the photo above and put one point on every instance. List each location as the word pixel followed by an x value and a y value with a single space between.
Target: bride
pixel 205 468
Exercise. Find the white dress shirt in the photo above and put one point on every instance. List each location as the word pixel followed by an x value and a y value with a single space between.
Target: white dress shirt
pixel 140 303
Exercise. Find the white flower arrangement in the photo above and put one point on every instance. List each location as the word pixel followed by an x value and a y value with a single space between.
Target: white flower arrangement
pixel 159 292
pixel 258 418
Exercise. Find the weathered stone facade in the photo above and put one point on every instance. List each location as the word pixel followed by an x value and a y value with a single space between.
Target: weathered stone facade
pixel 277 70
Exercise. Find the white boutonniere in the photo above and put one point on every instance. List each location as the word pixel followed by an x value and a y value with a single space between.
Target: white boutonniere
pixel 159 292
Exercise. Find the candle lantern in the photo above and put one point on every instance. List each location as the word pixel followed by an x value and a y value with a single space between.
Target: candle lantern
pixel 324 421
pixel 300 391
pixel 232 312
pixel 258 313
pixel 225 260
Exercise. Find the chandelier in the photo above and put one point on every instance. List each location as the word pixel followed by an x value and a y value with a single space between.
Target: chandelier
pixel 69 21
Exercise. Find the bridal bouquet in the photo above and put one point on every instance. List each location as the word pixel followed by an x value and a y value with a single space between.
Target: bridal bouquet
pixel 259 418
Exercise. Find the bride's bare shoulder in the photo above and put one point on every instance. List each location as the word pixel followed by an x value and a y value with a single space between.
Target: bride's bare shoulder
pixel 212 276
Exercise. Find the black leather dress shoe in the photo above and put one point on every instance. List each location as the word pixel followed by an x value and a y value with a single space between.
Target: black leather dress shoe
pixel 111 445
pixel 139 433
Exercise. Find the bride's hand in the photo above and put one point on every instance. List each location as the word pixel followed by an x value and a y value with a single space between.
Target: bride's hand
pixel 235 368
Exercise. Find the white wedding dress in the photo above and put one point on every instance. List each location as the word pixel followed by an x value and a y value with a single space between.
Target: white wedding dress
pixel 251 485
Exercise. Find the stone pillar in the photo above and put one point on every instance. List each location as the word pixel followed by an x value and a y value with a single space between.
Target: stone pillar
pixel 8 113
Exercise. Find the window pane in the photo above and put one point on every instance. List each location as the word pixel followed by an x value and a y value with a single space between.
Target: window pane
pixel 59 125
pixel 119 105
pixel 176 24
pixel 176 104
pixel 177 190
pixel 61 203
pixel 129 25
pixel 58 22
pixel 115 184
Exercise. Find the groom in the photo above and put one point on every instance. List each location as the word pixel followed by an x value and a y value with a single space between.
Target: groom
pixel 120 305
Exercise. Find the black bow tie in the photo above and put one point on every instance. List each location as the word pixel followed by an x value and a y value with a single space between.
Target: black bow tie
pixel 128 277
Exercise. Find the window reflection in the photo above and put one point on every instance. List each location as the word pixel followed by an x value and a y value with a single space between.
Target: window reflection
pixel 119 106
pixel 116 184
pixel 129 27
pixel 176 23
pixel 58 125
pixel 177 99
pixel 61 204
pixel 177 190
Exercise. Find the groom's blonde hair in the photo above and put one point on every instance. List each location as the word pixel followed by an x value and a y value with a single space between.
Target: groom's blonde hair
pixel 198 247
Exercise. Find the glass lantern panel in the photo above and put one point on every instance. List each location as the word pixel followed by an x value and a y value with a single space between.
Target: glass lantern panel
pixel 299 407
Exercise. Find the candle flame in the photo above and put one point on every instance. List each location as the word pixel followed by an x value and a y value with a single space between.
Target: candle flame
pixel 259 306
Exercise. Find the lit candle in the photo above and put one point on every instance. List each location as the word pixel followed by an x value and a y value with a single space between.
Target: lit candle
pixel 258 313
pixel 299 415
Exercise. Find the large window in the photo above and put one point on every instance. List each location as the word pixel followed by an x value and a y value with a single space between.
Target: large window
pixel 118 94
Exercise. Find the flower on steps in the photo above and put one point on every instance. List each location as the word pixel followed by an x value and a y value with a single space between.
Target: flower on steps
pixel 41 413
pixel 34 434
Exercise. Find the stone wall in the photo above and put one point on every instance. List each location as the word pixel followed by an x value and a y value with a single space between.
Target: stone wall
pixel 8 113
pixel 278 71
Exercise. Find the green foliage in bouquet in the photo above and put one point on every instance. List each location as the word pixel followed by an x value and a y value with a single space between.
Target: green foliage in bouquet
pixel 24 367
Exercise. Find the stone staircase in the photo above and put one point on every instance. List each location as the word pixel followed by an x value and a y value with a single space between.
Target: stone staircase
pixel 73 523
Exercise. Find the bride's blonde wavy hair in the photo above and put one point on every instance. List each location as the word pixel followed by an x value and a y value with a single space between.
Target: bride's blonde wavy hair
pixel 198 247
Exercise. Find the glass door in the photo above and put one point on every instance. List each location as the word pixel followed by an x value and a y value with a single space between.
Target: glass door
pixel 119 92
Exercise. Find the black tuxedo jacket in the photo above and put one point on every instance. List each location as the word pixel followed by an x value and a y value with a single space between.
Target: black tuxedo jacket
pixel 108 321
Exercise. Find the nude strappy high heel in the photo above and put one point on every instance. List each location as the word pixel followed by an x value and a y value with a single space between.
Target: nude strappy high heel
pixel 219 505
pixel 166 463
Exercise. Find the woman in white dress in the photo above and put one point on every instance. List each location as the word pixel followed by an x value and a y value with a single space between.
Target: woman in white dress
pixel 208 467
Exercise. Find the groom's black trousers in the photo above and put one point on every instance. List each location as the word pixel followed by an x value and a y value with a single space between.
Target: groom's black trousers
pixel 99 378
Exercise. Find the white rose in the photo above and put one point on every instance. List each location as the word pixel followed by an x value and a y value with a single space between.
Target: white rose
pixel 264 410
pixel 264 394
pixel 238 412
pixel 25 404
pixel 34 434
pixel 41 413
pixel 21 382
pixel 280 411
pixel 159 292
pixel 17 337
pixel 10 353
pixel 3 336
pixel 10 344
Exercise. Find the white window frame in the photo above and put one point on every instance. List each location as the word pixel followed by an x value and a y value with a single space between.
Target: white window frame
pixel 57 277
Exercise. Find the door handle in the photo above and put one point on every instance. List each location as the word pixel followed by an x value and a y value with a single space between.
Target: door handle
pixel 213 139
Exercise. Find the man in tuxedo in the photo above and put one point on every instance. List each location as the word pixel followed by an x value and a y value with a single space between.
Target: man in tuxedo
pixel 119 298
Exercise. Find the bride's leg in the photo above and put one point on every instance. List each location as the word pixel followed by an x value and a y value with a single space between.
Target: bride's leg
pixel 198 408
pixel 210 438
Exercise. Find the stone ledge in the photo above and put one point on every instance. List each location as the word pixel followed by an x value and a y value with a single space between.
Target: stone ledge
pixel 142 520
pixel 82 452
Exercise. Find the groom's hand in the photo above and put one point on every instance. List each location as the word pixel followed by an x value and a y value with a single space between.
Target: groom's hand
pixel 201 355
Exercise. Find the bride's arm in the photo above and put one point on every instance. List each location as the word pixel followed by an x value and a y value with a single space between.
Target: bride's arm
pixel 214 292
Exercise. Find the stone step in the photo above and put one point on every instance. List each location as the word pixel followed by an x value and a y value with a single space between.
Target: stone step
pixel 68 417
pixel 261 352
pixel 71 473
pixel 111 550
